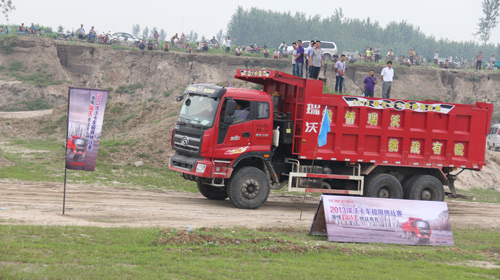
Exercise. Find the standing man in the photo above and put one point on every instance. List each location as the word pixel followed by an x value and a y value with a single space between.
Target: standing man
pixel 369 84
pixel 228 44
pixel 436 58
pixel 387 75
pixel 294 56
pixel 492 60
pixel 339 73
pixel 299 60
pixel 377 53
pixel 316 60
pixel 306 53
pixel 411 56
pixel 479 60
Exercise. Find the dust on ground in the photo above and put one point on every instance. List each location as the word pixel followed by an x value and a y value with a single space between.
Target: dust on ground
pixel 40 203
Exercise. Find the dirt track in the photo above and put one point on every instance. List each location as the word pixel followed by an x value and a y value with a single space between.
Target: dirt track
pixel 41 204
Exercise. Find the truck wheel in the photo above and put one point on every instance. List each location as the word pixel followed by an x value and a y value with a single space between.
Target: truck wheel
pixel 407 183
pixel 384 186
pixel 427 187
pixel 249 188
pixel 211 192
pixel 327 57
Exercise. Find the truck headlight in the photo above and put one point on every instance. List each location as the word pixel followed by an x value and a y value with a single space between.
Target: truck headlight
pixel 200 167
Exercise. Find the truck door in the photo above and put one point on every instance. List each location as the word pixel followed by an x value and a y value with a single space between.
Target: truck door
pixel 234 139
pixel 262 127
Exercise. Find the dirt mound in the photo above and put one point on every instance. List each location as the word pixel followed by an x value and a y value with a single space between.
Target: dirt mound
pixel 486 178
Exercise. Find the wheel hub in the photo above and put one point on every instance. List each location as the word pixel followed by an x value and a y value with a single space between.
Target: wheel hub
pixel 251 189
pixel 426 195
pixel 383 193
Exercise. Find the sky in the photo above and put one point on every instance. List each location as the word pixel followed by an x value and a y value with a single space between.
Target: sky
pixel 452 19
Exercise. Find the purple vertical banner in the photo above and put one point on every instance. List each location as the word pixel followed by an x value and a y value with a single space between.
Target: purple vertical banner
pixel 85 116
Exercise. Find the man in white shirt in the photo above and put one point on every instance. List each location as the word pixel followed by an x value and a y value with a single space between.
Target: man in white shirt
pixel 436 58
pixel 387 75
pixel 339 74
pixel 228 44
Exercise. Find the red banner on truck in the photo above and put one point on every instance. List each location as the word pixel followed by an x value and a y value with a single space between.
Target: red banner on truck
pixel 376 220
pixel 85 116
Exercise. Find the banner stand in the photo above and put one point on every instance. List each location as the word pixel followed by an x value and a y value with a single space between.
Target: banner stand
pixel 83 131
pixel 64 196
pixel 65 151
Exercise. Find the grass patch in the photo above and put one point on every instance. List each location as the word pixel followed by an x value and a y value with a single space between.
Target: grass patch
pixel 46 163
pixel 489 195
pixel 28 105
pixel 34 252
pixel 130 89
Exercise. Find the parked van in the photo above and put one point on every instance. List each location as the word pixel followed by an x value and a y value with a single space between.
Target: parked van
pixel 493 139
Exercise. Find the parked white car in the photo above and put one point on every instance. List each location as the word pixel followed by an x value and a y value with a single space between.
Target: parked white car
pixel 328 47
pixel 124 39
pixel 493 138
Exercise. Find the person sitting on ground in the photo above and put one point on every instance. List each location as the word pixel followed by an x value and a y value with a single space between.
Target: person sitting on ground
pixel 214 42
pixel 389 55
pixel 188 48
pixel 407 62
pixel 150 45
pixel 266 53
pixel 335 57
pixel 238 51
pixel 142 45
pixel 81 32
pixel 198 47
pixel 446 64
pixel 32 29
pixel 276 54
pixel 22 28
pixel 205 47
pixel 92 34
pixel 166 47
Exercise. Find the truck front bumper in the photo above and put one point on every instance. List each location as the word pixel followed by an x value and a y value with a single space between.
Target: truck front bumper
pixel 200 167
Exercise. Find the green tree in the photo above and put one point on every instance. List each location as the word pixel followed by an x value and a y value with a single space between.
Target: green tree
pixel 220 36
pixel 136 29
pixel 163 35
pixel 489 21
pixel 60 28
pixel 6 7
pixel 145 32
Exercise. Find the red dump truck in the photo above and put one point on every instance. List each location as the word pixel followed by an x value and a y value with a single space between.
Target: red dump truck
pixel 240 143
pixel 417 228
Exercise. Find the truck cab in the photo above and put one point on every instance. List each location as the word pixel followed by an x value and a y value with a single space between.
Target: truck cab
pixel 218 129
pixel 417 228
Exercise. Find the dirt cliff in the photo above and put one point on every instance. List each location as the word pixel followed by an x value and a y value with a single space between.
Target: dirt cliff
pixel 35 73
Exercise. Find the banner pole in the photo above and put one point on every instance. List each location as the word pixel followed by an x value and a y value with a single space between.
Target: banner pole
pixel 65 152
pixel 64 196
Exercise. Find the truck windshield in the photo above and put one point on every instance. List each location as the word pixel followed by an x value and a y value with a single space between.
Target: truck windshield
pixel 422 225
pixel 198 110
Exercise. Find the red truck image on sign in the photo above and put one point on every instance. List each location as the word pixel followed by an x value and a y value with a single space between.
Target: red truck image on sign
pixel 417 229
pixel 240 143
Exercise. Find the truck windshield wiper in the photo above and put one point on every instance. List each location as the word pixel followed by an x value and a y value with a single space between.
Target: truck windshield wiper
pixel 184 120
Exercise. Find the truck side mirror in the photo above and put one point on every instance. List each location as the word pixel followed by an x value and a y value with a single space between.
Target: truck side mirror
pixel 230 107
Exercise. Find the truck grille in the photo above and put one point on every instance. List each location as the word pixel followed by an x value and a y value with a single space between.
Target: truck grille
pixel 182 162
pixel 187 143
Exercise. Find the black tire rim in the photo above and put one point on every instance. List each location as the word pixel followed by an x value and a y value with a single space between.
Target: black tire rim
pixel 251 189
pixel 383 193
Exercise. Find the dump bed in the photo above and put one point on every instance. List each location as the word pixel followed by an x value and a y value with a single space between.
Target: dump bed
pixel 381 131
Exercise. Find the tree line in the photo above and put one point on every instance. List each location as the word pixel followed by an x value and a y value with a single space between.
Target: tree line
pixel 266 27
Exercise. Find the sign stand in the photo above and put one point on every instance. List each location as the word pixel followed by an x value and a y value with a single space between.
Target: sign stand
pixel 65 151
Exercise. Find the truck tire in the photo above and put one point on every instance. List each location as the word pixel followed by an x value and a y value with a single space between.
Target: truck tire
pixel 211 192
pixel 384 186
pixel 249 188
pixel 407 183
pixel 427 187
